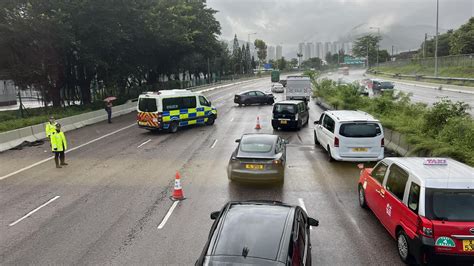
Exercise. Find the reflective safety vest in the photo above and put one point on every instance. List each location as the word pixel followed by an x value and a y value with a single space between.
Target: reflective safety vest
pixel 58 141
pixel 50 128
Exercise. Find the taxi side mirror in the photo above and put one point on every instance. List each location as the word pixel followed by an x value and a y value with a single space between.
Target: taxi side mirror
pixel 316 122
pixel 237 140
pixel 214 215
pixel 313 222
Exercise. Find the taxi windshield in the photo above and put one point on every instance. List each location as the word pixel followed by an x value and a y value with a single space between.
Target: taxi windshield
pixel 450 205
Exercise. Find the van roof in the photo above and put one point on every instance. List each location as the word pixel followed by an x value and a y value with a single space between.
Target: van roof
pixel 161 93
pixel 351 115
pixel 449 174
pixel 289 102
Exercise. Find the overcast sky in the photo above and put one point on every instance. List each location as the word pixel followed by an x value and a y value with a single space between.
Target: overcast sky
pixel 292 21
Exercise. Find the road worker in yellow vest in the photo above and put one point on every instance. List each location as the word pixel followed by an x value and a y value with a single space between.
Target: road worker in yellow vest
pixel 58 146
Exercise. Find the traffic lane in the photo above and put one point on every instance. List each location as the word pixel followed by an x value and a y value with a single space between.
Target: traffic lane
pixel 121 172
pixel 208 189
pixel 13 160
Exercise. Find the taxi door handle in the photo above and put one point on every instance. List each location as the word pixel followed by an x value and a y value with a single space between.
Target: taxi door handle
pixel 381 193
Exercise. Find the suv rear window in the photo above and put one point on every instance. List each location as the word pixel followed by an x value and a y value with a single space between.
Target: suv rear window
pixel 147 105
pixel 284 108
pixel 360 130
pixel 450 204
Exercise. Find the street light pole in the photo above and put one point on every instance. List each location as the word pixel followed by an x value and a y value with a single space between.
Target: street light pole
pixel 367 59
pixel 436 42
pixel 378 34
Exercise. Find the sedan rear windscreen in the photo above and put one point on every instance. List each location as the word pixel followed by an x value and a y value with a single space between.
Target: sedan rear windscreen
pixel 284 108
pixel 360 130
pixel 147 105
pixel 450 204
pixel 256 144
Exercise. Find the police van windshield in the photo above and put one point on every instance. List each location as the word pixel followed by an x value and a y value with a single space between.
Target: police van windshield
pixel 360 130
pixel 284 108
pixel 449 204
pixel 147 105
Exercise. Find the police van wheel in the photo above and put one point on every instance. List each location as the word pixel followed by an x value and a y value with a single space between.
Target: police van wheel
pixel 173 127
pixel 210 120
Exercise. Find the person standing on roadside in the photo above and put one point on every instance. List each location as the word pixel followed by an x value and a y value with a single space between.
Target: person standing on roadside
pixel 58 146
pixel 108 109
pixel 50 127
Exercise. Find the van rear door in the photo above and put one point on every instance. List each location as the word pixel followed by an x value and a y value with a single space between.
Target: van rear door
pixel 360 139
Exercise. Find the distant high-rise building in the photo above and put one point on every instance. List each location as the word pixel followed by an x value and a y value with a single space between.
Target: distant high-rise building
pixel 271 53
pixel 334 48
pixel 312 50
pixel 327 49
pixel 318 52
pixel 307 51
pixel 301 48
pixel 279 52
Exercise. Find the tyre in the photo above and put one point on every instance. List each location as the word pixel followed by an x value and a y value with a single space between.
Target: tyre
pixel 240 105
pixel 330 158
pixel 362 202
pixel 316 141
pixel 173 127
pixel 402 246
pixel 210 120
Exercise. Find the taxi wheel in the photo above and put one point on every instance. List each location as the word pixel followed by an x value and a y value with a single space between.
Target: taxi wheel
pixel 316 141
pixel 173 127
pixel 402 245
pixel 362 201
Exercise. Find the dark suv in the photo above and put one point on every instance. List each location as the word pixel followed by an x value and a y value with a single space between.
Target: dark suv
pixel 290 114
pixel 258 233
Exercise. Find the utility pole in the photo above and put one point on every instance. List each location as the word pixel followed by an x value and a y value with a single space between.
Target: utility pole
pixel 367 59
pixel 392 50
pixel 436 42
pixel 424 45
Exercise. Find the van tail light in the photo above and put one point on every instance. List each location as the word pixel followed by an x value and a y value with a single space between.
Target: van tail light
pixel 336 142
pixel 382 142
pixel 425 227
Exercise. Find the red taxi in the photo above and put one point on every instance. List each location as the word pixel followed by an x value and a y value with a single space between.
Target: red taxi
pixel 426 204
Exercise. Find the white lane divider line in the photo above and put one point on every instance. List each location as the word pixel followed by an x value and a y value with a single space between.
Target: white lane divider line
pixel 167 216
pixel 143 143
pixel 73 149
pixel 214 144
pixel 33 211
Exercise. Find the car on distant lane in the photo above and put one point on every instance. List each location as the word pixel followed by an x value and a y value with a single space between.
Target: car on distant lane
pixel 278 88
pixel 253 97
pixel 258 158
pixel 259 233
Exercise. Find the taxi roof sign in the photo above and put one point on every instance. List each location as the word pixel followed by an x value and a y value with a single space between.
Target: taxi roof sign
pixel 435 161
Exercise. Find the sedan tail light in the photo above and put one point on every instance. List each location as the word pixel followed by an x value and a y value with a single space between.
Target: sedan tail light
pixel 382 143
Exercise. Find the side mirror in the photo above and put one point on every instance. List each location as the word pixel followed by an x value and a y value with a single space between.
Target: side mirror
pixel 215 214
pixel 210 103
pixel 286 141
pixel 311 221
pixel 316 122
pixel 237 140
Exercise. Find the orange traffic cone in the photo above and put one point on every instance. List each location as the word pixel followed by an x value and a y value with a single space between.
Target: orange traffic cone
pixel 178 190
pixel 258 123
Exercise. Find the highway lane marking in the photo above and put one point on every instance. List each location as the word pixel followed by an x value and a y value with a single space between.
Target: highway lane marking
pixel 33 211
pixel 70 150
pixel 167 216
pixel 143 143
pixel 214 144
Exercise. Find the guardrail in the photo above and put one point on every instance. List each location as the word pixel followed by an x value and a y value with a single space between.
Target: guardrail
pixel 420 77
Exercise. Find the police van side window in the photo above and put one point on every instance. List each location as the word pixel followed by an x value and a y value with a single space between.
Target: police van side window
pixel 379 171
pixel 179 103
pixel 328 123
pixel 203 101
pixel 414 197
pixel 396 181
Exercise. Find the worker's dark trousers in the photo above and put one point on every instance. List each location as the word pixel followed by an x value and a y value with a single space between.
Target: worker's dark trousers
pixel 59 156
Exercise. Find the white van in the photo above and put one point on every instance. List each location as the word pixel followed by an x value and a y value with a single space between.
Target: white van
pixel 298 88
pixel 350 136
pixel 171 109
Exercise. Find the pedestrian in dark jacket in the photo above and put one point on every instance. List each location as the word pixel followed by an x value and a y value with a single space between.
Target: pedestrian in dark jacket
pixel 108 109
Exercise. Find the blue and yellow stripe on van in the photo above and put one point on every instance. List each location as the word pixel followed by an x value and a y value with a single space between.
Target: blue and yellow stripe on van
pixel 189 116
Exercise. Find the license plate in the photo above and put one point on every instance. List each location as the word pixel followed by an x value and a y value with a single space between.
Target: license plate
pixel 142 123
pixel 468 245
pixel 359 149
pixel 254 166
pixel 283 122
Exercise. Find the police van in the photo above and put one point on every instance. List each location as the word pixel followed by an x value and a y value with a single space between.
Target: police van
pixel 426 204
pixel 171 109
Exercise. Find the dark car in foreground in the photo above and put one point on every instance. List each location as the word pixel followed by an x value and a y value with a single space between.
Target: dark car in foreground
pixel 253 97
pixel 258 233
pixel 290 114
pixel 258 158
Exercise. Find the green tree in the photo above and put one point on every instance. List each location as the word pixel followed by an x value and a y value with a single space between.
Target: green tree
pixel 261 47
pixel 462 40
pixel 443 45
pixel 248 59
pixel 281 63
pixel 314 62
pixel 368 41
